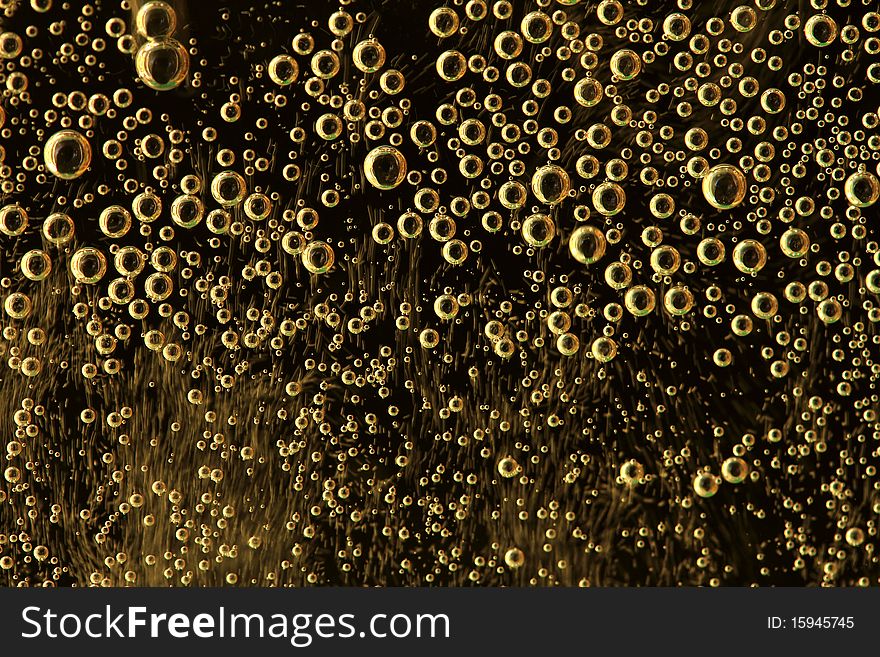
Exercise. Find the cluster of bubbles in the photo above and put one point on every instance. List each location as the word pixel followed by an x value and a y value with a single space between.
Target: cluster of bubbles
pixel 161 61
pixel 477 292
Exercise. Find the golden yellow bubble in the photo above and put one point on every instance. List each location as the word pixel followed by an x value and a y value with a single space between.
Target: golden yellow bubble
pixel 451 65
pixel 820 30
pixel 258 207
pixel 749 256
pixel 536 27
pixel 743 18
pixel 625 64
pixel 705 484
pixel 764 305
pixel 318 257
pixel 794 243
pixel 505 348
pixel 678 300
pixel 862 189
pixel 146 207
pixel 283 70
pixel 88 265
pixel 604 349
pixel 665 260
pixel 709 94
pixel 618 275
pixel 734 470
pixel 383 233
pixel 18 305
pixel 410 225
pixel 423 133
pixel 443 22
pixel 559 322
pixel 470 166
pixel 724 186
pixel 599 135
pixel 368 56
pixel 494 330
pixel 632 472
pixel 662 206
pixel 163 259
pixel 446 306
pixel 325 64
pixel 455 252
pixel 514 558
pixel 676 26
pixel 508 467
pixel 385 167
pixel 550 184
pixel 156 20
pixel 722 357
pixel 829 311
pixel 609 12
pixel 329 126
pixel 392 82
pixel 855 536
pixel 228 188
pixel 36 265
pixel 779 369
pixel 696 139
pixel 13 220
pixel 538 230
pixel 795 292
pixel 115 221
pixel 67 154
pixel 568 344
pixel 187 210
pixel 508 44
pixel 587 244
pixel 741 325
pixel 472 132
pixel 588 92
pixel 429 338
pixel 293 242
pixel 340 23
pixel 57 229
pixel 120 290
pixel 609 198
pixel 158 286
pixel 773 101
pixel 640 300
pixel 11 45
pixel 162 64
pixel 710 251
pixel 512 195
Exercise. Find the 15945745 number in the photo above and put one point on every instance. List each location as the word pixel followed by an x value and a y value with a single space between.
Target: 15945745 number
pixel 822 622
